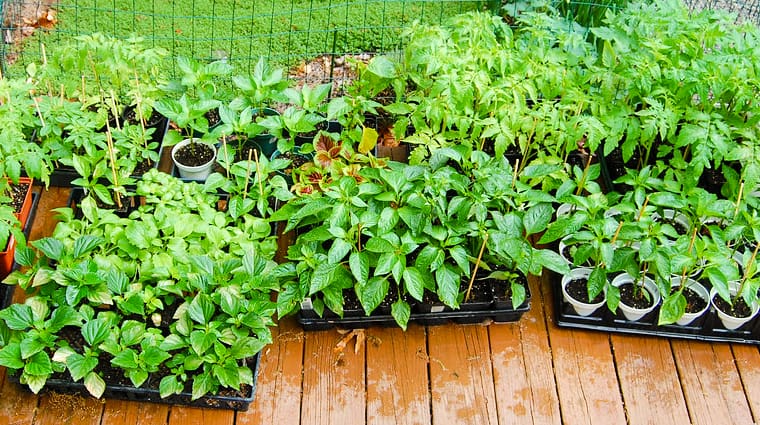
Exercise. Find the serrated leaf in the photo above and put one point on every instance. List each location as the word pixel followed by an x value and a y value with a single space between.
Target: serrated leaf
pixel 10 356
pixel 169 385
pixel 84 244
pixel 202 385
pixel 51 247
pixel 95 331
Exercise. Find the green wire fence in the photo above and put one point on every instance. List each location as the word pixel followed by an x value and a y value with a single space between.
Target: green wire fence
pixel 287 32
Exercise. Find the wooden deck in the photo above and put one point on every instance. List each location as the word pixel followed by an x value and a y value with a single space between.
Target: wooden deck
pixel 525 372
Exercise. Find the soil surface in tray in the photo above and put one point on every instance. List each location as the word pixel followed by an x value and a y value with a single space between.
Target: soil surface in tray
pixel 503 289
pixel 18 192
pixel 295 161
pixel 739 309
pixel 634 297
pixel 130 116
pixel 578 290
pixel 194 154
pixel 481 291
pixel 694 303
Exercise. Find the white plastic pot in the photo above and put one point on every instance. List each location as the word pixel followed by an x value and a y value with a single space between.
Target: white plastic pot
pixel 700 290
pixel 580 307
pixel 200 172
pixel 631 313
pixel 730 322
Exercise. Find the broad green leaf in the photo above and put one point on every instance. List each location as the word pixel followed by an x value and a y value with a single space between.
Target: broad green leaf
pixel 201 309
pixel 368 141
pixel 18 317
pixel 10 356
pixel 338 250
pixel 372 293
pixel 127 359
pixel 673 308
pixel 95 331
pixel 401 311
pixel 51 247
pixel 39 365
pixel 322 277
pixel 414 282
pixel 359 264
pixel 202 385
pixel 447 282
pixel 169 385
pixel 201 341
pixel 537 217
pixel 94 384
pixel 379 245
pixel 86 243
pixel 597 280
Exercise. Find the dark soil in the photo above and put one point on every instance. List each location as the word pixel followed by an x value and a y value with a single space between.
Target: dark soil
pixel 130 116
pixel 296 160
pixel 739 309
pixel 213 117
pixel 392 296
pixel 634 297
pixel 578 290
pixel 143 167
pixel 680 229
pixel 481 292
pixel 18 193
pixel 194 154
pixel 503 289
pixel 694 303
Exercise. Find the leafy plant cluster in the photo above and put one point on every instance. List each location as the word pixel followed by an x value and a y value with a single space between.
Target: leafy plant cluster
pixel 182 287
pixel 418 228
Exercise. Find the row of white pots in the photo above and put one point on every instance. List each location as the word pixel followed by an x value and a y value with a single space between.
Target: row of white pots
pixel 633 314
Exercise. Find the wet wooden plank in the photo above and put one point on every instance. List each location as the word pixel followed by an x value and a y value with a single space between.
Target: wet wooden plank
pixel 122 412
pixel 461 375
pixel 181 415
pixel 66 409
pixel 522 367
pixel 711 383
pixel 397 376
pixel 17 406
pixel 649 380
pixel 278 388
pixel 333 382
pixel 747 358
pixel 584 370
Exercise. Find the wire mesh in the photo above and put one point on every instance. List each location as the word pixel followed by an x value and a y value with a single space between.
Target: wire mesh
pixel 285 31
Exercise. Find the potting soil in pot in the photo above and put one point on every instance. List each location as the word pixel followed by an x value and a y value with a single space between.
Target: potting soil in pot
pixel 194 154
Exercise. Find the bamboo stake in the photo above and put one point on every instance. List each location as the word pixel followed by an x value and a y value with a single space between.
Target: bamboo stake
pixel 739 199
pixel 514 174
pixel 112 156
pixel 258 171
pixel 226 156
pixel 37 107
pixel 643 207
pixel 248 173
pixel 477 264
pixel 115 110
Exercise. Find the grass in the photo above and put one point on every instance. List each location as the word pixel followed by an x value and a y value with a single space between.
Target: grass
pixel 285 31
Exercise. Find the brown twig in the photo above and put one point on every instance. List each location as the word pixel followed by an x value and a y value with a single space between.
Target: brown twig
pixel 477 264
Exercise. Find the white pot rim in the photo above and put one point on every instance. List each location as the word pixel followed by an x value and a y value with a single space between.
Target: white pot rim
pixel 186 142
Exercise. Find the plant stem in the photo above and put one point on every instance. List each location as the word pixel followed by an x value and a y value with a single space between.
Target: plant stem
pixel 746 273
pixel 359 237
pixel 138 105
pixel 688 252
pixel 477 264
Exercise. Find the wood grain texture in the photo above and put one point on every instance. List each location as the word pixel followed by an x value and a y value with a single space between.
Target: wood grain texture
pixel 711 383
pixel 333 382
pixel 649 380
pixel 181 415
pixel 584 370
pixel 397 376
pixel 461 375
pixel 277 399
pixel 522 366
pixel 18 406
pixel 65 409
pixel 122 412
pixel 747 358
